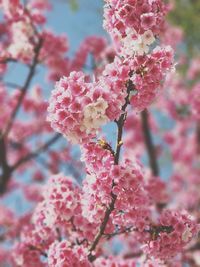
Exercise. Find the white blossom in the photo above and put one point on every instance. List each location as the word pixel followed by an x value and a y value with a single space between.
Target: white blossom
pixel 95 114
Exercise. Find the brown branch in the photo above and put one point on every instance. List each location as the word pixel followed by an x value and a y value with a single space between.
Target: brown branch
pixel 189 252
pixel 121 232
pixel 37 152
pixel 23 90
pixel 149 143
pixel 154 232
pixel 198 137
pixel 59 236
pixel 31 247
pixel 3 152
pixel 82 241
pixel 194 247
pixel 8 170
pixel 7 60
pixel 133 255
pixel 110 208
pixel 73 225
pixel 4 167
pixel 99 235
pixel 2 238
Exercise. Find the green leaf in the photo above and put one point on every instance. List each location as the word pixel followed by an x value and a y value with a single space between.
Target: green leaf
pixel 186 15
pixel 74 5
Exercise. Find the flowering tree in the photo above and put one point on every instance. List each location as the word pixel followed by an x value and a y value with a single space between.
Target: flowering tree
pixel 110 208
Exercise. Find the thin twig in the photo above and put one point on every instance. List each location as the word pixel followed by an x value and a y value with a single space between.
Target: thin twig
pixel 133 255
pixel 7 60
pixel 11 85
pixel 121 232
pixel 8 170
pixel 37 152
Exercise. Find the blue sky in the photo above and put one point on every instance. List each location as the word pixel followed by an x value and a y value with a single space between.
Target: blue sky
pixel 87 20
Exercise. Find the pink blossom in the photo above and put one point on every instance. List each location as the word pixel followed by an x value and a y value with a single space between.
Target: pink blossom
pixel 150 71
pixel 60 200
pixel 176 230
pixel 61 254
pixel 83 106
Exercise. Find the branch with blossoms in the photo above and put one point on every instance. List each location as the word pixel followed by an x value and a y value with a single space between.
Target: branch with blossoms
pixel 120 124
pixel 105 192
pixel 74 223
pixel 6 169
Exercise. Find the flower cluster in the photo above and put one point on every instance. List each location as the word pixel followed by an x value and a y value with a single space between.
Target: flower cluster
pixel 157 190
pixel 21 46
pixel 150 71
pixel 195 102
pixel 91 45
pixel 131 206
pixel 60 214
pixel 79 108
pixel 53 55
pixel 96 196
pixel 11 8
pixel 95 163
pixel 97 186
pixel 106 180
pixel 114 79
pixel 133 25
pixel 72 109
pixel 61 254
pixel 7 218
pixel 171 235
pixel 24 256
pixel 146 74
pixel 6 106
pixel 60 200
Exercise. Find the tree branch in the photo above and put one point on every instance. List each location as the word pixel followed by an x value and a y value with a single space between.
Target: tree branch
pixel 7 60
pixel 23 90
pixel 149 143
pixel 110 208
pixel 5 168
pixel 37 152
pixel 198 137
